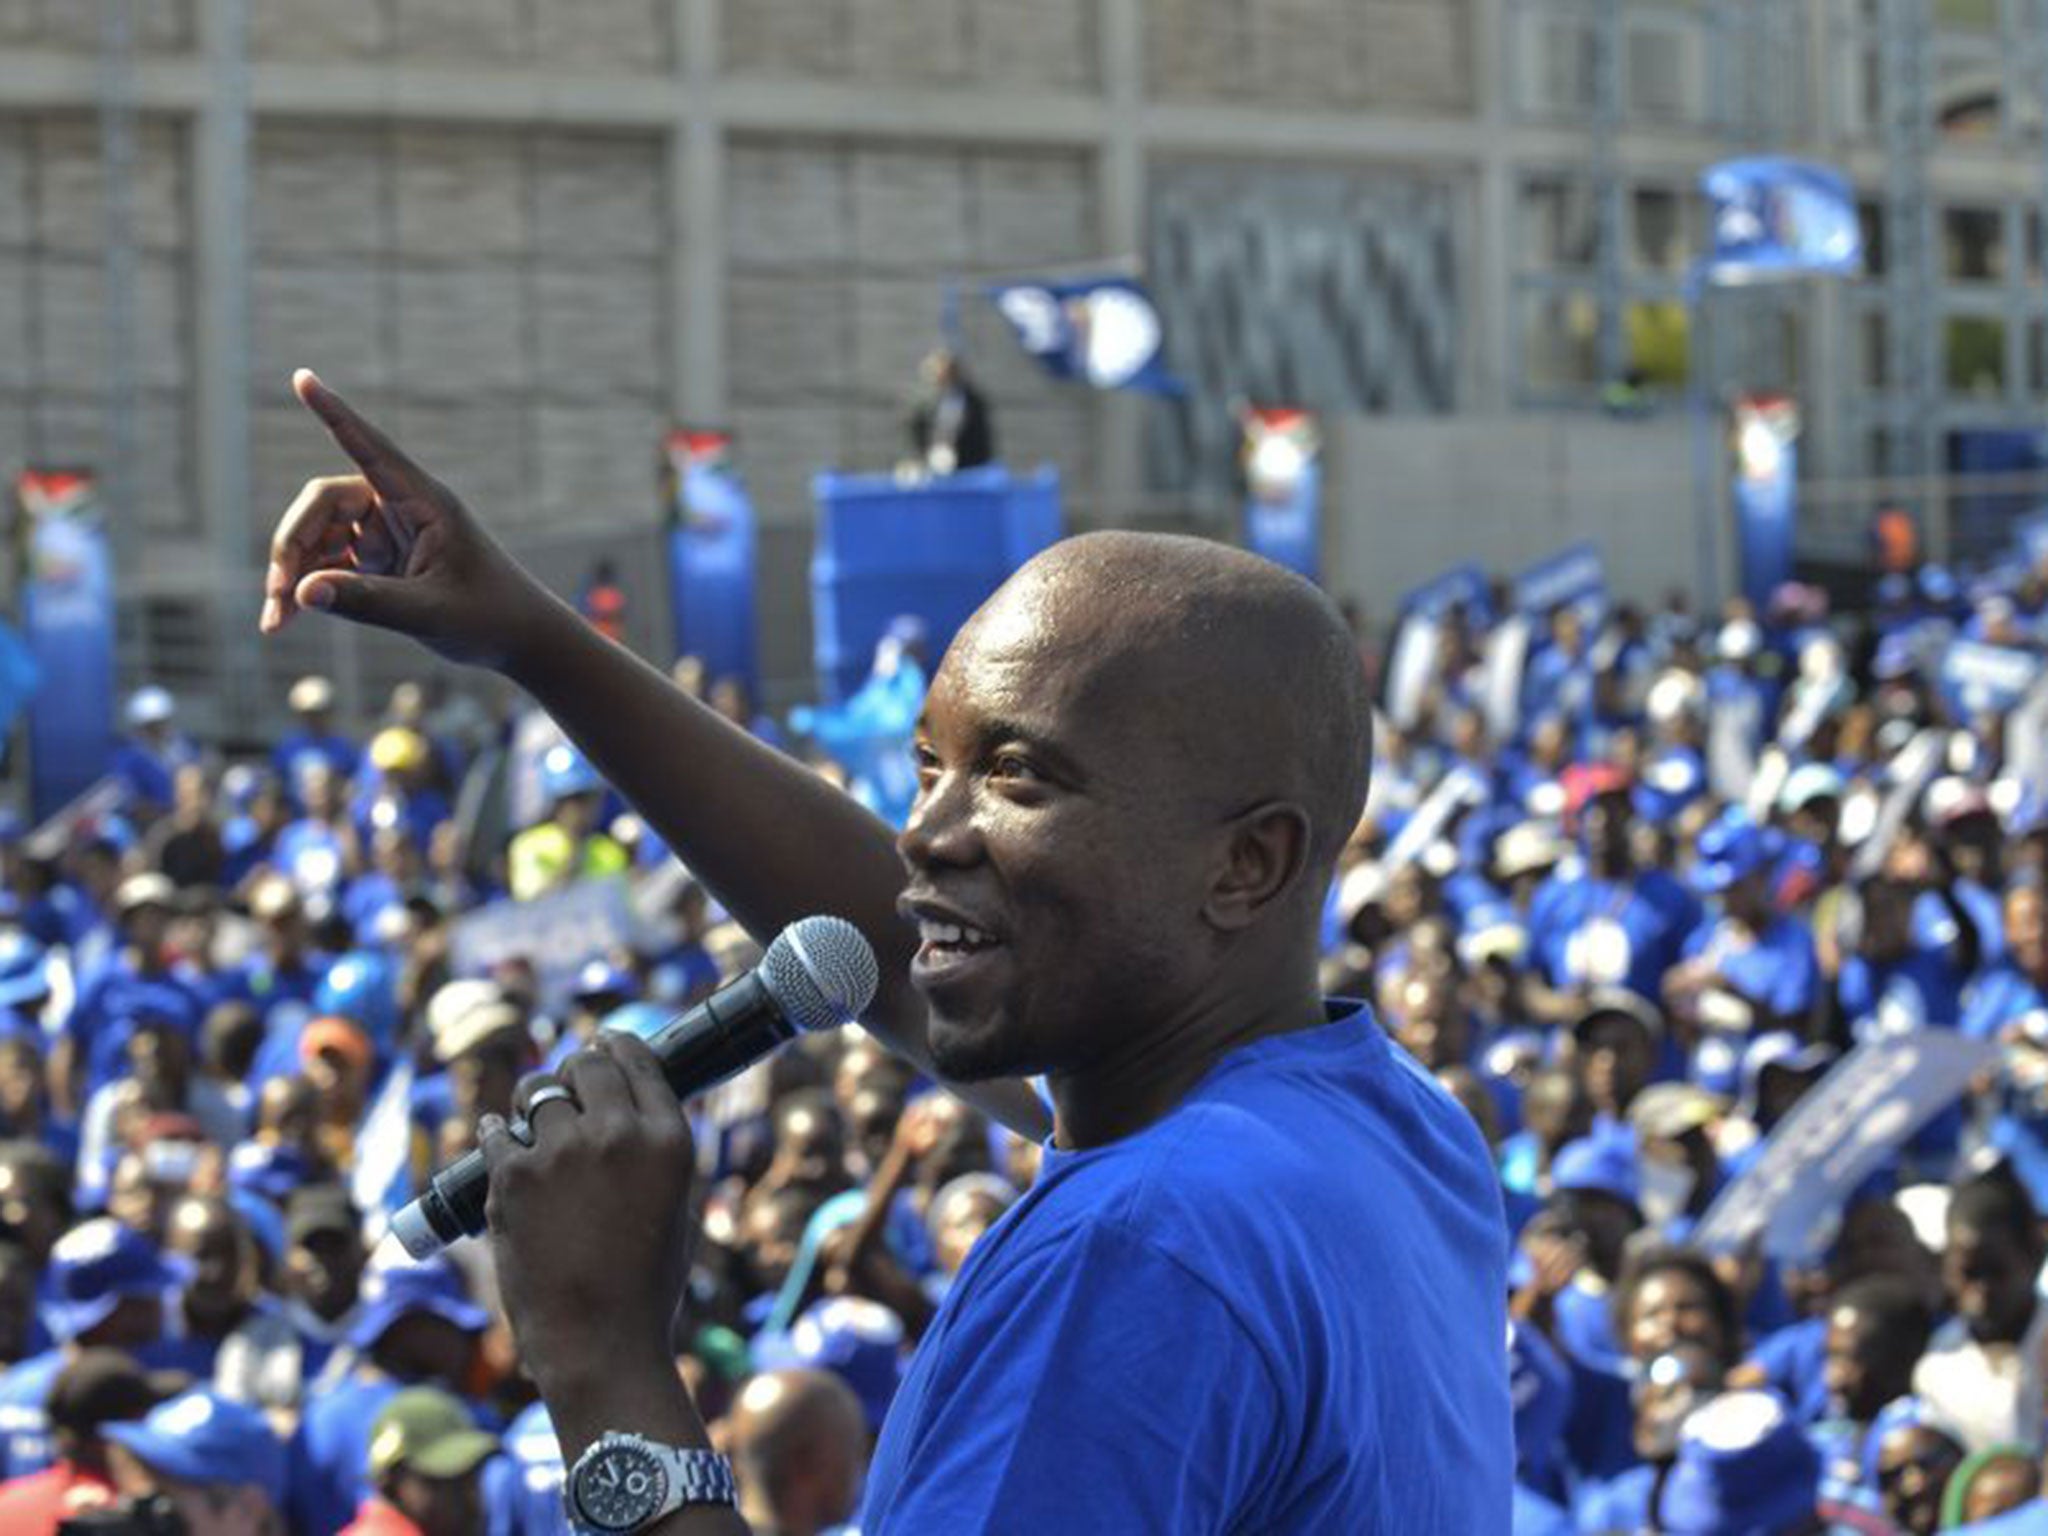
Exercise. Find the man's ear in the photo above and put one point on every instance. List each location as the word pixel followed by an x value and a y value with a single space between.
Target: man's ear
pixel 1264 852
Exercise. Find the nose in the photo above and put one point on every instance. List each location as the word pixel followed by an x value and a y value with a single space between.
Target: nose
pixel 941 825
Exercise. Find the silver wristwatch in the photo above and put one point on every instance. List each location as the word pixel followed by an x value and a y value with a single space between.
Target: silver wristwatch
pixel 624 1482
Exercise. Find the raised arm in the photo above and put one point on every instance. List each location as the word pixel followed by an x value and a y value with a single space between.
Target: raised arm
pixel 391 546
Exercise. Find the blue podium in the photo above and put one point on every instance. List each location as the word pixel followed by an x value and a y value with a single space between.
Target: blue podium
pixel 934 549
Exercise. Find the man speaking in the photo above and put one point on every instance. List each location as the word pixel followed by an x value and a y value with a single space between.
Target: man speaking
pixel 1259 1285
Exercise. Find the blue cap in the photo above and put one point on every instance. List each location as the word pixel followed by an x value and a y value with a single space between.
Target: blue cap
pixel 1744 1468
pixel 600 978
pixel 268 1172
pixel 1716 1064
pixel 857 1340
pixel 1731 848
pixel 400 1289
pixel 1672 781
pixel 1938 584
pixel 1604 1161
pixel 1540 1386
pixel 565 771
pixel 362 986
pixel 201 1437
pixel 94 1268
pixel 1907 1412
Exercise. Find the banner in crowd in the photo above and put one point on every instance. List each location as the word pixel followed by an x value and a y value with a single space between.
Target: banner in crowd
pixel 68 621
pixel 2032 537
pixel 1505 662
pixel 1101 331
pixel 1765 437
pixel 1283 471
pixel 1776 218
pixel 1462 586
pixel 557 933
pixel 1977 678
pixel 712 558
pixel 1859 1114
pixel 1572 578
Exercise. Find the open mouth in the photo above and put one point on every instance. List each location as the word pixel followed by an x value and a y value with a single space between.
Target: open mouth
pixel 939 938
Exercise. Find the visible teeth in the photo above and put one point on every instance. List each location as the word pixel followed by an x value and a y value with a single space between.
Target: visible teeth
pixel 953 935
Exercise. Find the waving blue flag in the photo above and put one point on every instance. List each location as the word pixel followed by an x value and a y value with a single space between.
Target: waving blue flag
pixel 1100 331
pixel 1777 218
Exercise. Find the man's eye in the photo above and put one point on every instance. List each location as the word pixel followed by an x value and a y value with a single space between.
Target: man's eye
pixel 926 759
pixel 1012 765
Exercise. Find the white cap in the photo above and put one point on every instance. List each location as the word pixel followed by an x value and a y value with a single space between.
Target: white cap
pixel 310 694
pixel 151 705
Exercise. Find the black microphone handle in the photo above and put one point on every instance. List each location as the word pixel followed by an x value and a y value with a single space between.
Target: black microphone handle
pixel 693 1058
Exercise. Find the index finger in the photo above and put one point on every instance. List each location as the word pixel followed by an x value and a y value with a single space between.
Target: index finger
pixel 383 463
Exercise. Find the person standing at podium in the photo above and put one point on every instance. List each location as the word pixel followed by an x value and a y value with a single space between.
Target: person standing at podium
pixel 950 429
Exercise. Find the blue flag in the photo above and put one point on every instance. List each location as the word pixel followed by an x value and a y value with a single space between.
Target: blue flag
pixel 712 558
pixel 1776 218
pixel 1284 478
pixel 68 615
pixel 1766 487
pixel 1100 331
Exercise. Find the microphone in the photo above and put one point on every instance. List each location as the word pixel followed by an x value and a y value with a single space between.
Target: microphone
pixel 819 973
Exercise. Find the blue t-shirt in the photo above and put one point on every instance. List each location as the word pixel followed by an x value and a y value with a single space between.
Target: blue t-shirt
pixel 103 1019
pixel 330 1473
pixel 534 1475
pixel 1279 1308
pixel 1776 969
pixel 1795 1360
pixel 25 1444
pixel 1997 998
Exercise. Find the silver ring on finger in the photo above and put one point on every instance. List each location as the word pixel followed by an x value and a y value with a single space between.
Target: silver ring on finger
pixel 547 1093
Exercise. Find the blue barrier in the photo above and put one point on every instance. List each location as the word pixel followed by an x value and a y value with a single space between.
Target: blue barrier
pixel 934 550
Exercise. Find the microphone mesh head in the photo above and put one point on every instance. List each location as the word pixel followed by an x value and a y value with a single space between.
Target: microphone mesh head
pixel 821 971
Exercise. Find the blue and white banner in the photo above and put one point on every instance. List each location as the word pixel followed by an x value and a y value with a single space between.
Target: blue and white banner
pixel 1861 1112
pixel 557 933
pixel 68 619
pixel 1574 578
pixel 1979 679
pixel 1100 331
pixel 1765 438
pixel 1462 586
pixel 1776 218
pixel 712 558
pixel 1283 471
pixel 2032 537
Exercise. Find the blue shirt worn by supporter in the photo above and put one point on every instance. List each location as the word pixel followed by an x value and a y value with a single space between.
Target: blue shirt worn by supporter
pixel 1920 991
pixel 104 1016
pixel 25 1445
pixel 145 771
pixel 2028 1520
pixel 1279 1308
pixel 298 751
pixel 330 1452
pixel 1621 1503
pixel 1777 969
pixel 1795 1360
pixel 535 1459
pixel 1534 1515
pixel 1603 932
pixel 2001 996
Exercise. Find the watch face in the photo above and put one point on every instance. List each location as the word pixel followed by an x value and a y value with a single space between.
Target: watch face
pixel 621 1487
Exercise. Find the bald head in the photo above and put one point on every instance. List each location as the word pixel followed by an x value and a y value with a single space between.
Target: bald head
pixel 799 1442
pixel 1243 670
pixel 1137 765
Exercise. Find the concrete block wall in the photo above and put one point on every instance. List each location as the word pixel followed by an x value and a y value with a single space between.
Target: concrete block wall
pixel 498 296
pixel 54 332
pixel 593 35
pixel 1378 55
pixel 838 256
